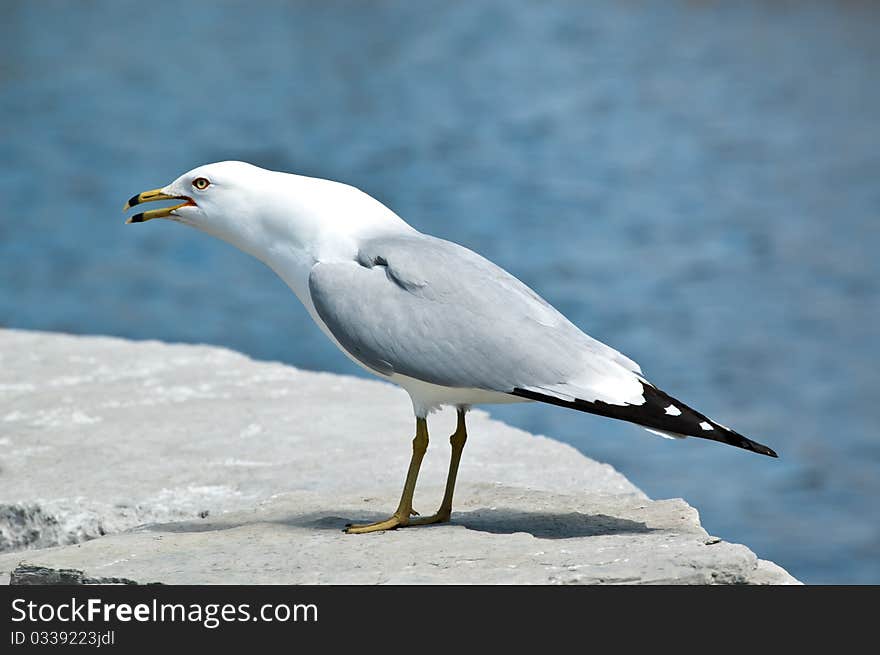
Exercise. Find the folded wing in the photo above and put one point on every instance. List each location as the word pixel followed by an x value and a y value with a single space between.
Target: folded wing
pixel 438 312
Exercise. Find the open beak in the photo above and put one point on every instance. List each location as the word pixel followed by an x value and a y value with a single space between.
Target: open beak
pixel 150 196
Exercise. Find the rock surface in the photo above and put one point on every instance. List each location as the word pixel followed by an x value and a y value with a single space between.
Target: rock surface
pixel 146 462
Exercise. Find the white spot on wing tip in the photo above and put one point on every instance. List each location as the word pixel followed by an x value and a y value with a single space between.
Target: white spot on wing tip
pixel 672 410
pixel 706 426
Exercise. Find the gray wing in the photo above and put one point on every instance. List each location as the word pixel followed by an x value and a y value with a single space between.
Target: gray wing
pixel 438 312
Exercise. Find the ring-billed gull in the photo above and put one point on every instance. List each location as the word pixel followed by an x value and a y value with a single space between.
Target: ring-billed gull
pixel 444 323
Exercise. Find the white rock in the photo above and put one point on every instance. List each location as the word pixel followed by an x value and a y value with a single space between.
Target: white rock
pixel 101 435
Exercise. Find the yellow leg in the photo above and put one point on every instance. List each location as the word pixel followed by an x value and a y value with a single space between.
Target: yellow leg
pixel 404 509
pixel 457 440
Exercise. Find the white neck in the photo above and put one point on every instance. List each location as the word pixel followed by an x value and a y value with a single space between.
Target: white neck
pixel 291 222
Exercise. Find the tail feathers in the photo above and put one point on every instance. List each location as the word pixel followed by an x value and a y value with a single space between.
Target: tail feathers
pixel 660 414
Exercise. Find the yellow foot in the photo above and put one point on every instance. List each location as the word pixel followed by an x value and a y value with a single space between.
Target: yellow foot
pixel 441 516
pixel 393 521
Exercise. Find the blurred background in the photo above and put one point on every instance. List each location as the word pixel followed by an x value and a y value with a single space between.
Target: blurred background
pixel 695 183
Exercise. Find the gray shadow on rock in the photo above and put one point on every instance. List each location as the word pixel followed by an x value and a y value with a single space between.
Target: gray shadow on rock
pixel 319 520
pixel 193 526
pixel 547 525
pixel 542 525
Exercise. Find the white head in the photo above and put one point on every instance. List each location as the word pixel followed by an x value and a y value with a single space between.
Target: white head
pixel 267 213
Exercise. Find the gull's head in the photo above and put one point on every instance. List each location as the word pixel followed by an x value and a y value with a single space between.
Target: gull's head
pixel 255 209
pixel 208 193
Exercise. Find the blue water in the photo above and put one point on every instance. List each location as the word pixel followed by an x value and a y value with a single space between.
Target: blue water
pixel 698 184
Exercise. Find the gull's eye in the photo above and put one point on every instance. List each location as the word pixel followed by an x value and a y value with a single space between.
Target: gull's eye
pixel 201 183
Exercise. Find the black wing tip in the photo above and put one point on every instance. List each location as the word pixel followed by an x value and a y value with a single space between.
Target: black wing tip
pixel 734 438
pixel 763 450
pixel 656 400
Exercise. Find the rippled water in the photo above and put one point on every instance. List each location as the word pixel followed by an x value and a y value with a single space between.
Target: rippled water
pixel 694 183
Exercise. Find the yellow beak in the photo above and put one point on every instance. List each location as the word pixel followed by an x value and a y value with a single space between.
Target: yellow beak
pixel 150 196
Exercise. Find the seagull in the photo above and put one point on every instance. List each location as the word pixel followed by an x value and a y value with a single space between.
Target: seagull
pixel 439 320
